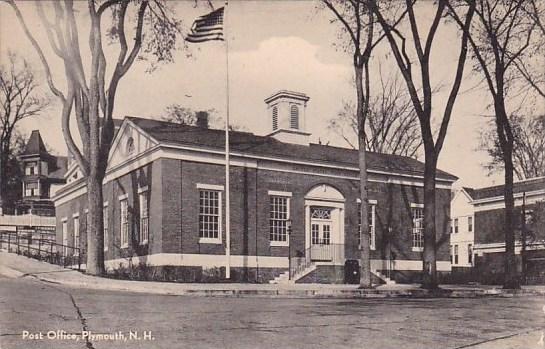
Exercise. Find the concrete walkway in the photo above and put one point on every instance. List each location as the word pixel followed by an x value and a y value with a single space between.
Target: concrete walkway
pixel 15 266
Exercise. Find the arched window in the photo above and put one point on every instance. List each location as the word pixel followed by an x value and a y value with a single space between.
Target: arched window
pixel 275 118
pixel 294 117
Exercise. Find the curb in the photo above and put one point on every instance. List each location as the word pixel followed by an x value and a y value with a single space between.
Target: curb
pixel 307 293
pixel 280 292
pixel 9 272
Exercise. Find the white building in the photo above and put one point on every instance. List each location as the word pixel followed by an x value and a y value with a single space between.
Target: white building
pixel 462 238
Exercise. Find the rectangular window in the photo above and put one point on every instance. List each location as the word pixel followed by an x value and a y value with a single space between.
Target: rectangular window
pixel 64 237
pixel 455 254
pixel 450 253
pixel 210 214
pixel 470 224
pixel 470 254
pixel 124 220
pixel 371 214
pixel 31 189
pixel 106 224
pixel 76 236
pixel 144 217
pixel 326 238
pixel 455 225
pixel 31 169
pixel 87 221
pixel 418 228
pixel 315 234
pixel 278 219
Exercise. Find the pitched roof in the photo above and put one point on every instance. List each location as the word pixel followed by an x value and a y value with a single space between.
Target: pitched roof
pixel 527 185
pixel 60 167
pixel 35 145
pixel 469 191
pixel 248 143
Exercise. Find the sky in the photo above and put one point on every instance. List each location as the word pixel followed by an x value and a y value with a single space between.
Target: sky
pixel 273 45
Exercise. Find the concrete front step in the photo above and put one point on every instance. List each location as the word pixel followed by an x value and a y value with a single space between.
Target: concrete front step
pixel 284 278
pixel 384 278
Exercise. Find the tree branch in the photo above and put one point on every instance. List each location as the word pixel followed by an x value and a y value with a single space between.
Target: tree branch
pixel 38 49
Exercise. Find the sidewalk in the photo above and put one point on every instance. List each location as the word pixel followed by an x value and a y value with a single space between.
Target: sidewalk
pixel 15 266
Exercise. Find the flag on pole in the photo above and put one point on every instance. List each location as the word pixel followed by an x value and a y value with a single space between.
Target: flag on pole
pixel 208 27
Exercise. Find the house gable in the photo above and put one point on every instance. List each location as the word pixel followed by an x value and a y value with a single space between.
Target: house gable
pixel 129 143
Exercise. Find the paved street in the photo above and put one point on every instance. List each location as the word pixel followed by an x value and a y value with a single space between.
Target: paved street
pixel 30 305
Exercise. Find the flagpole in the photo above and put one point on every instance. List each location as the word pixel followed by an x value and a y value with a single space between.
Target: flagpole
pixel 227 191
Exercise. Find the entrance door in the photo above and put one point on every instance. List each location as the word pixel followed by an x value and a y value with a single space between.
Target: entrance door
pixel 321 225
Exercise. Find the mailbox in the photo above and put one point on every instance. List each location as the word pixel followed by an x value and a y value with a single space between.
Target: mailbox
pixel 352 271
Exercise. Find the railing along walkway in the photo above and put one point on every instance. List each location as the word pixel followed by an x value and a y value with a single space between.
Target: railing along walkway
pixel 40 248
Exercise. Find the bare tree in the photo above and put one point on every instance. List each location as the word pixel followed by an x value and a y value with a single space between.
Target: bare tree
pixel 392 126
pixel 186 116
pixel 530 65
pixel 501 35
pixel 88 96
pixel 528 147
pixel 358 24
pixel 13 173
pixel 20 98
pixel 422 103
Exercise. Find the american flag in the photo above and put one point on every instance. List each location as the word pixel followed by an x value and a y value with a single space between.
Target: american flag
pixel 208 27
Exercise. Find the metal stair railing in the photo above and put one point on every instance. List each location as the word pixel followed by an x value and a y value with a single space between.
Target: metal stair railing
pixel 321 252
pixel 43 249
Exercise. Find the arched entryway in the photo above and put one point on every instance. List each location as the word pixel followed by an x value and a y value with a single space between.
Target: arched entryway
pixel 324 224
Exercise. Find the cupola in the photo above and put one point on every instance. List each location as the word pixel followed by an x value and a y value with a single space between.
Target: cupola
pixel 287 116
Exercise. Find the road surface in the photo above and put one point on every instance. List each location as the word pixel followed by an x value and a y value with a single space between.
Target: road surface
pixel 82 318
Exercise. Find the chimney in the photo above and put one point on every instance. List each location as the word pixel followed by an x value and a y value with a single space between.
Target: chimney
pixel 202 119
pixel 287 113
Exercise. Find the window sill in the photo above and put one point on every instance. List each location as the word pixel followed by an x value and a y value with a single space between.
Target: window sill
pixel 209 241
pixel 418 249
pixel 125 246
pixel 143 243
pixel 279 243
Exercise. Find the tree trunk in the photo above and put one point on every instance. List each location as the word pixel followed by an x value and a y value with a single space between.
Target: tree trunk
pixel 506 140
pixel 511 280
pixel 429 258
pixel 95 229
pixel 365 260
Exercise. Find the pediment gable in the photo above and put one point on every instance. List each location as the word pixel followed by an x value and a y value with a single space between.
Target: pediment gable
pixel 129 143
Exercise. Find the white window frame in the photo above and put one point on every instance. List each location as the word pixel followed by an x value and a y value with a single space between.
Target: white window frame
pixel 372 227
pixel 417 231
pixel 143 236
pixel 64 221
pixel 470 256
pixel 124 222
pixel 106 224
pixel 470 224
pixel 456 258
pixel 287 197
pixel 212 188
pixel 372 230
pixel 76 234
pixel 456 225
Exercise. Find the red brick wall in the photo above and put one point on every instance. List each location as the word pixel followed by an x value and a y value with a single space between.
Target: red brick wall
pixel 489 224
pixel 174 204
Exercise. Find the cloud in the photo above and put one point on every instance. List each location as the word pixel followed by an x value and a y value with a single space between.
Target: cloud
pixel 286 63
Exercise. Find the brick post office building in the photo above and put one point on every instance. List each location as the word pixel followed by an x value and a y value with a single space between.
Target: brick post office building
pixel 164 202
